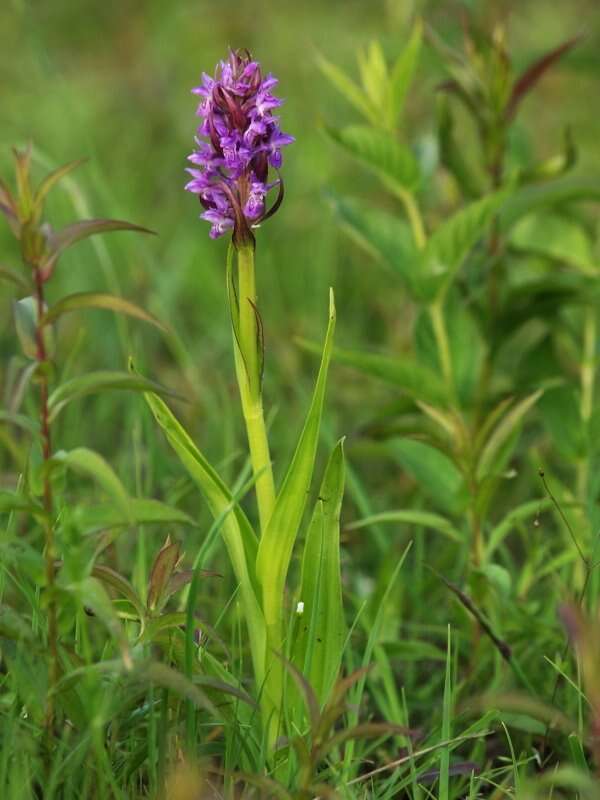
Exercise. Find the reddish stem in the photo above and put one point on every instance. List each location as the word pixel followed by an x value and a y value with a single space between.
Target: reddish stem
pixel 41 357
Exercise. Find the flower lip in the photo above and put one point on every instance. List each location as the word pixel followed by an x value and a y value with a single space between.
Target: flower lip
pixel 238 139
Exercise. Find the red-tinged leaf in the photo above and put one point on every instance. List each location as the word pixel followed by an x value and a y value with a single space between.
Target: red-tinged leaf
pixel 9 274
pixel 533 73
pixel 162 571
pixel 366 730
pixel 180 579
pixel 53 178
pixel 268 786
pixel 71 234
pixel 168 678
pixel 12 218
pixel 110 302
pixel 6 195
pixel 312 703
pixel 22 169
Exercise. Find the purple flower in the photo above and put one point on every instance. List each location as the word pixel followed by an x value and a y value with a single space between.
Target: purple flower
pixel 241 140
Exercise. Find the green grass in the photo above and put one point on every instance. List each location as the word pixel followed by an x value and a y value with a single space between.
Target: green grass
pixel 466 394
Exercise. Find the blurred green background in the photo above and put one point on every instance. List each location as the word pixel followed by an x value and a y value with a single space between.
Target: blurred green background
pixel 111 81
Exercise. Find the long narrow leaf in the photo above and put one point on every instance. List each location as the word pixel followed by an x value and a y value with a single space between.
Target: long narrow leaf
pixel 277 541
pixel 110 302
pixel 320 646
pixel 402 372
pixel 95 382
pixel 238 535
pixel 403 72
pixel 411 517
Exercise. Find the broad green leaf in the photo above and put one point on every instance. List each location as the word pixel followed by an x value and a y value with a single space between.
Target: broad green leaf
pixel 88 462
pixel 560 409
pixel 277 541
pixel 384 236
pixel 437 476
pixel 237 533
pixel 92 595
pixel 555 194
pixel 53 178
pixel 382 152
pixel 452 152
pixel 141 511
pixel 487 462
pixel 15 501
pixel 402 372
pixel 110 302
pixel 403 72
pixel 322 627
pixel 449 245
pixel 14 276
pixel 374 74
pixel 424 519
pixel 346 86
pixel 556 237
pixel 95 382
pixel 467 347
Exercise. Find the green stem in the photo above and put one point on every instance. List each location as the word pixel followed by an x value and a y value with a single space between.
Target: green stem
pixel 248 369
pixel 414 217
pixel 587 371
pixel 436 313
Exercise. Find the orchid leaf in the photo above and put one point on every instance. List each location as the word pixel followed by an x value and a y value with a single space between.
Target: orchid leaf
pixel 321 641
pixel 237 533
pixel 277 541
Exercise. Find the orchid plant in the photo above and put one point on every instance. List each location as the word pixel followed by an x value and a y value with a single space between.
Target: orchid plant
pixel 239 142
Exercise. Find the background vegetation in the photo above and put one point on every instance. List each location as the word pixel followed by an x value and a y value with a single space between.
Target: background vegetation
pixel 110 81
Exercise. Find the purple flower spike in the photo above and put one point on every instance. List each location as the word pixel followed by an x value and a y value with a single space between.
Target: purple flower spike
pixel 242 139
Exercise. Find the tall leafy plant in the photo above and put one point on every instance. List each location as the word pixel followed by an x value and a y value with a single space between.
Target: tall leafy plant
pixel 493 284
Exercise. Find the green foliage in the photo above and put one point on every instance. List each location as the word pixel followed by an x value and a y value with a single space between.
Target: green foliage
pixel 151 638
pixel 322 628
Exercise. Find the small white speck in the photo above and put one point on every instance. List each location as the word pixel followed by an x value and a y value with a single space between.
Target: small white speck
pixel 300 608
